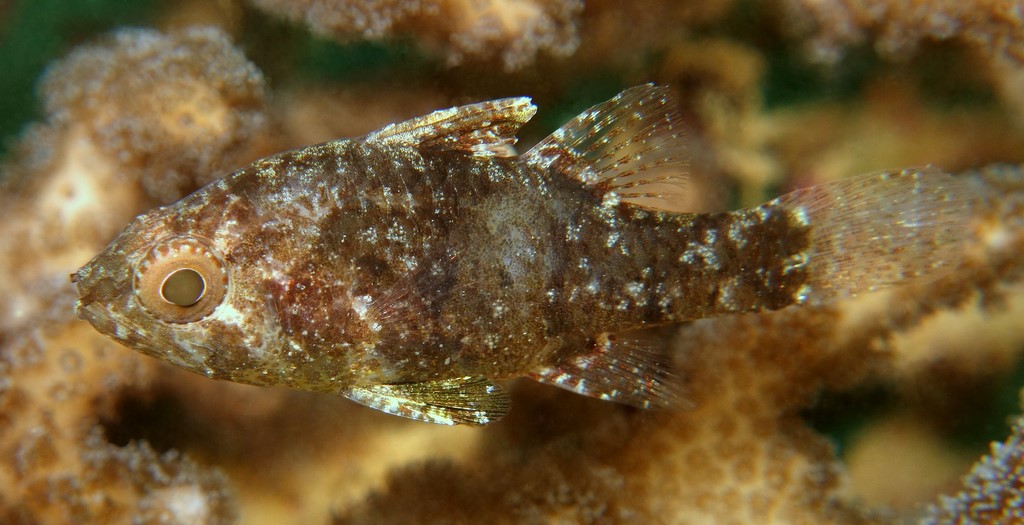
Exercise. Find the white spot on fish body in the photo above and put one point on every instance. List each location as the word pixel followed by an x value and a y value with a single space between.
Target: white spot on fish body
pixel 361 304
pixel 799 213
pixel 803 293
pixel 613 238
pixel 227 313
pixel 738 232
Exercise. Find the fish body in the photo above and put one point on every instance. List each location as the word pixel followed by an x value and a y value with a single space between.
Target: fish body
pixel 411 268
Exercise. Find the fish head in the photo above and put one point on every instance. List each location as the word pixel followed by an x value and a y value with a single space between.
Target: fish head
pixel 167 291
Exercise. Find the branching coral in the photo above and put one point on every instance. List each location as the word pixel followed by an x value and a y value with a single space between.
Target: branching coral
pixel 57 466
pixel 994 27
pixel 142 117
pixel 137 120
pixel 515 31
pixel 993 490
pixel 175 121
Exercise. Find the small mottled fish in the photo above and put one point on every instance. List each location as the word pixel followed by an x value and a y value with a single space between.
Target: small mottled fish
pixel 411 268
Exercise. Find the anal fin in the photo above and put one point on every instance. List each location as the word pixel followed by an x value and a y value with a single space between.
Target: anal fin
pixel 634 368
pixel 456 401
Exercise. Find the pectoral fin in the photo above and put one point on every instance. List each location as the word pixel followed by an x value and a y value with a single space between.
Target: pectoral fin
pixel 457 401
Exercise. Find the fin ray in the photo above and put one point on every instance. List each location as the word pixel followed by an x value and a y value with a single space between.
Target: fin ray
pixel 485 129
pixel 631 145
pixel 462 400
pixel 634 368
pixel 876 230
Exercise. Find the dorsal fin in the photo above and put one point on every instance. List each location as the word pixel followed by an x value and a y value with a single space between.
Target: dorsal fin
pixel 485 129
pixel 630 146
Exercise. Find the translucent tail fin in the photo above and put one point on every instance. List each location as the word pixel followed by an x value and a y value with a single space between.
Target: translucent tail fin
pixel 880 229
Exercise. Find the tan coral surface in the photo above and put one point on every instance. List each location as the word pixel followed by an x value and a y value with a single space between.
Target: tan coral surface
pixel 104 155
pixel 993 26
pixel 514 31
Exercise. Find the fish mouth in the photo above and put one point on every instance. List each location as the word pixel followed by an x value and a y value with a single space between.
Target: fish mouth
pixel 84 298
pixel 98 315
pixel 98 286
pixel 90 307
pixel 93 314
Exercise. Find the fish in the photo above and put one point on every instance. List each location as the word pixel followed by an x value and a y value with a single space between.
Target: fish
pixel 414 269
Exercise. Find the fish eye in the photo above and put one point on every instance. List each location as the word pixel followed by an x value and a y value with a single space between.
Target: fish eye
pixel 184 287
pixel 180 280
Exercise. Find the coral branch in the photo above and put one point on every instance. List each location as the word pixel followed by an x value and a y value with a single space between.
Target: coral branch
pixel 993 26
pixel 173 121
pixel 993 490
pixel 134 121
pixel 514 31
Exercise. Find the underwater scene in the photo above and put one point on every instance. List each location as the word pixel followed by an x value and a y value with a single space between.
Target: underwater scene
pixel 514 262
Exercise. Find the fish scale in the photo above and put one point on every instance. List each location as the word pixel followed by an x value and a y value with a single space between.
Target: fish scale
pixel 412 268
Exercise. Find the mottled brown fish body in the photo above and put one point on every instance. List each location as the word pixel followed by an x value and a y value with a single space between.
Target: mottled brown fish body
pixel 432 264
pixel 410 268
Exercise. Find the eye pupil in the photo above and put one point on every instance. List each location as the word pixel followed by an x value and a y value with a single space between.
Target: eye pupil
pixel 184 287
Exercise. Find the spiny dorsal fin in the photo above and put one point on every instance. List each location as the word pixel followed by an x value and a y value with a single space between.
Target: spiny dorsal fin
pixel 485 129
pixel 461 400
pixel 876 230
pixel 633 368
pixel 630 146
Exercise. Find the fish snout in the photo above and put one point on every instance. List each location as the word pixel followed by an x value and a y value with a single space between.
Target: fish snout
pixel 85 298
pixel 97 286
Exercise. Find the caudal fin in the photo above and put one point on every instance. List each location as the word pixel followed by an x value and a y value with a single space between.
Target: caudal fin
pixel 876 230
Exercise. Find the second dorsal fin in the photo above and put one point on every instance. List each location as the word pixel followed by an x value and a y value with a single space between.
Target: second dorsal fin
pixel 630 147
pixel 485 129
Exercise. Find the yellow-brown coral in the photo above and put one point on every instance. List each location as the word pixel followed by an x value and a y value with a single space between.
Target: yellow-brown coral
pixel 57 465
pixel 514 31
pixel 993 490
pixel 174 122
pixel 993 26
pixel 122 113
